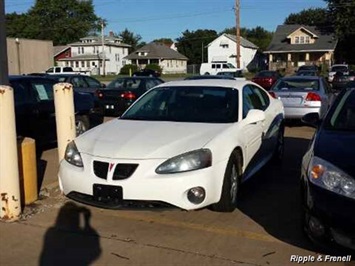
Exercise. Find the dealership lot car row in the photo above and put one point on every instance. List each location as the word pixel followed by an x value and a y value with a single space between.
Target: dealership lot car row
pixel 204 138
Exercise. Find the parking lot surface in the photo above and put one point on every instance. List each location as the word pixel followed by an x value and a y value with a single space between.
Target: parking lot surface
pixel 264 230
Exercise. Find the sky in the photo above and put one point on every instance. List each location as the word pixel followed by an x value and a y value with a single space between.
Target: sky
pixel 154 19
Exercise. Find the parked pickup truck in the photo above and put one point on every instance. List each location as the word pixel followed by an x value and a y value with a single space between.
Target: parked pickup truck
pixel 65 70
pixel 35 112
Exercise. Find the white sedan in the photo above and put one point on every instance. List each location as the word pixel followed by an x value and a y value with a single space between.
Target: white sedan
pixel 187 143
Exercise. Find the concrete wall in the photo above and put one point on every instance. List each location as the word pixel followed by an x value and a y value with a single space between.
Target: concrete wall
pixel 28 56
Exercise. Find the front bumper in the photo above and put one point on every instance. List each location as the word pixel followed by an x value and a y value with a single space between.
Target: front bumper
pixel 335 212
pixel 144 185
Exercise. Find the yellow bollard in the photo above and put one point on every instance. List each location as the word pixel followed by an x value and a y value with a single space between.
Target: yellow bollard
pixel 130 72
pixel 64 115
pixel 28 170
pixel 10 201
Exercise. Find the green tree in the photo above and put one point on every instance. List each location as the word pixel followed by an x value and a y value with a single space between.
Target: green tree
pixel 311 17
pixel 258 36
pixel 60 21
pixel 130 38
pixel 192 44
pixel 166 41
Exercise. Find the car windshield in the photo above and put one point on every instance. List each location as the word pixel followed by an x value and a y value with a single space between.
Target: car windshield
pixel 186 104
pixel 297 85
pixel 343 115
pixel 339 68
pixel 128 83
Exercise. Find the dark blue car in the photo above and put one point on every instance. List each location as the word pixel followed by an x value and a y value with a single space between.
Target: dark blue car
pixel 35 112
pixel 328 174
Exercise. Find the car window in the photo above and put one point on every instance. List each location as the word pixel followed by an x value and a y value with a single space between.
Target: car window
pixel 247 100
pixel 57 70
pixel 187 104
pixel 264 99
pixel 93 83
pixel 43 90
pixel 150 83
pixel 297 85
pixel 343 115
pixel 79 82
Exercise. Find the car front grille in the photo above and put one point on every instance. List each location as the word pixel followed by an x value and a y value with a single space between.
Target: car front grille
pixel 123 171
pixel 101 169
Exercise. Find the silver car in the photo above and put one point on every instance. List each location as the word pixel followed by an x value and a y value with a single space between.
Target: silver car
pixel 302 95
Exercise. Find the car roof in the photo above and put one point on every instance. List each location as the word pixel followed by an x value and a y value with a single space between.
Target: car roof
pixel 28 77
pixel 229 83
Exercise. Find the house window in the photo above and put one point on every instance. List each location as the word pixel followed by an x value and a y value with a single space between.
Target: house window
pixel 82 50
pixel 224 46
pixel 93 63
pixel 307 39
pixel 297 39
pixel 76 63
pixel 78 50
pixel 94 50
pixel 302 39
pixel 82 63
pixel 87 64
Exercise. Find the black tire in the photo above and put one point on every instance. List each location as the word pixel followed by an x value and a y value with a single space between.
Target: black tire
pixel 278 155
pixel 82 124
pixel 231 184
pixel 207 73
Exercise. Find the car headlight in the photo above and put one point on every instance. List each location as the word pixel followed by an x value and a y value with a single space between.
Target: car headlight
pixel 328 176
pixel 72 155
pixel 189 161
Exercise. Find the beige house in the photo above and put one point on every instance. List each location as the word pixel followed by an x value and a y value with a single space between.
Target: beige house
pixel 295 45
pixel 171 61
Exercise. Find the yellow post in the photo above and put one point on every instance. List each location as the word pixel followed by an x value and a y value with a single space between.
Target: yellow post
pixel 28 170
pixel 130 72
pixel 64 115
pixel 10 202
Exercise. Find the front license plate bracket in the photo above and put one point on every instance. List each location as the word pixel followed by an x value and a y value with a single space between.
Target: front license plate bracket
pixel 107 193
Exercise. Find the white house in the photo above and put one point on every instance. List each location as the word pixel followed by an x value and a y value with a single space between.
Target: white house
pixel 223 49
pixel 87 55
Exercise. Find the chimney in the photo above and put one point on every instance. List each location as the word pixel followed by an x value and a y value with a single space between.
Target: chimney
pixel 111 33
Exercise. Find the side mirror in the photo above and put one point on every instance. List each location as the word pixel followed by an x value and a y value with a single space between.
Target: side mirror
pixel 103 85
pixel 311 119
pixel 254 116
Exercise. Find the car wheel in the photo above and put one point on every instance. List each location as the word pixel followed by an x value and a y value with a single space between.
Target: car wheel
pixel 82 124
pixel 280 146
pixel 231 183
pixel 207 73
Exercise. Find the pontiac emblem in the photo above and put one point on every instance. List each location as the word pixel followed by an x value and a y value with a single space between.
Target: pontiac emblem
pixel 110 166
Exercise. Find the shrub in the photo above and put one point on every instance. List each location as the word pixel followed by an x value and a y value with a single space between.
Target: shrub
pixel 155 67
pixel 125 69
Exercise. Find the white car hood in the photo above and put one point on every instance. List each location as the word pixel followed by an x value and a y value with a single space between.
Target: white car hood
pixel 129 139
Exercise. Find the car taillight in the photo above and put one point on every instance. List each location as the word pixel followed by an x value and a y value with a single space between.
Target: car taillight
pixel 128 95
pixel 313 97
pixel 273 95
pixel 99 94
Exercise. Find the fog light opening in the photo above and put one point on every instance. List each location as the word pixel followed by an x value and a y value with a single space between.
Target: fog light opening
pixel 316 227
pixel 196 195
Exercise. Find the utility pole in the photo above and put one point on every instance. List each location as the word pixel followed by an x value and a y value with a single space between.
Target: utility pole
pixel 103 47
pixel 4 70
pixel 237 28
pixel 202 61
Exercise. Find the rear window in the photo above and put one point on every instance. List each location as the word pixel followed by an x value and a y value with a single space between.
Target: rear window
pixel 296 85
pixel 129 84
pixel 339 68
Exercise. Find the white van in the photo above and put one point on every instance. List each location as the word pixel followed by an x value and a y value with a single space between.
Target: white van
pixel 215 67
